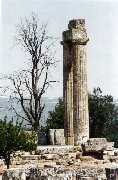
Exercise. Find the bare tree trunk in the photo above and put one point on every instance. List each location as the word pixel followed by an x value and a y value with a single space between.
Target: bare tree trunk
pixel 7 160
pixel 34 81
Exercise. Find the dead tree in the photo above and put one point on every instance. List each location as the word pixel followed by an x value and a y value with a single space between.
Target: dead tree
pixel 31 84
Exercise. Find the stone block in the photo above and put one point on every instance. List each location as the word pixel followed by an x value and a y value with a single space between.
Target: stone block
pixel 53 149
pixel 111 153
pixel 71 162
pixel 53 173
pixel 116 152
pixel 31 157
pixel 105 152
pixel 95 145
pixel 112 173
pixel 105 157
pixel 23 162
pixel 114 159
pixel 14 173
pixel 59 137
pixel 71 155
pixel 30 172
pixel 49 156
pixel 56 137
pixel 51 136
pixel 90 173
pixel 110 146
pixel 87 178
pixel 86 158
pixel 67 156
pixel 102 178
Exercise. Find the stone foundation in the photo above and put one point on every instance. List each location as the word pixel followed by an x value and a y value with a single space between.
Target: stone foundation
pixel 56 173
pixel 30 173
pixel 64 163
pixel 59 173
pixel 95 145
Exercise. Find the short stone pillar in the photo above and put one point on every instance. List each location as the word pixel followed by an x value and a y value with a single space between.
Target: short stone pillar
pixel 56 137
pixel 75 82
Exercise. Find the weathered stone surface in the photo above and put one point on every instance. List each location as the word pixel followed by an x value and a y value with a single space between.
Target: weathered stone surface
pixel 116 152
pixel 83 173
pixel 110 146
pixel 23 162
pixel 56 137
pixel 50 156
pixel 31 157
pixel 51 136
pixel 14 174
pixel 71 162
pixel 61 162
pixel 71 155
pixel 75 82
pixel 31 173
pixel 95 145
pixel 86 158
pixel 113 159
pixel 50 173
pixel 90 172
pixel 112 173
pixel 106 157
pixel 57 149
pixel 59 137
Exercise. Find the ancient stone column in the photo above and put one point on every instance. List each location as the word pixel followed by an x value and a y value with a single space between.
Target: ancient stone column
pixel 75 82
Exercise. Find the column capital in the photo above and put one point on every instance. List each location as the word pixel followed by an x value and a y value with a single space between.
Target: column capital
pixel 76 23
pixel 76 33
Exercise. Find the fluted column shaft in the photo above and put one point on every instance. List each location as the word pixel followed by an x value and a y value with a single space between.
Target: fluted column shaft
pixel 68 95
pixel 75 83
pixel 80 103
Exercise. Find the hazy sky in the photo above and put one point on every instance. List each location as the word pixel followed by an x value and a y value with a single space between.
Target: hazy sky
pixel 102 27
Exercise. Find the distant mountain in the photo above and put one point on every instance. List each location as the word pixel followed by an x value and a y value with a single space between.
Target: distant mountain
pixel 49 106
pixel 5 106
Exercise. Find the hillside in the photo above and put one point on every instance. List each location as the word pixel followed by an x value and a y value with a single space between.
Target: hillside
pixel 5 105
pixel 49 106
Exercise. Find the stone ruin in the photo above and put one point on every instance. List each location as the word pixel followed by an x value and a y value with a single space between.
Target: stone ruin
pixel 72 154
pixel 75 82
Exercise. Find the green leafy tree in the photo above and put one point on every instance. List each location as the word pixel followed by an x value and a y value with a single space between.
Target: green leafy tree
pixel 56 118
pixel 14 138
pixel 113 132
pixel 103 116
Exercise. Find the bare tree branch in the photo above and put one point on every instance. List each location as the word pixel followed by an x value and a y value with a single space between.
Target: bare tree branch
pixel 28 86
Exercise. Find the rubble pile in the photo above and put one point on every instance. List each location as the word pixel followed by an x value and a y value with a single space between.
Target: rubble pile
pixel 95 159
